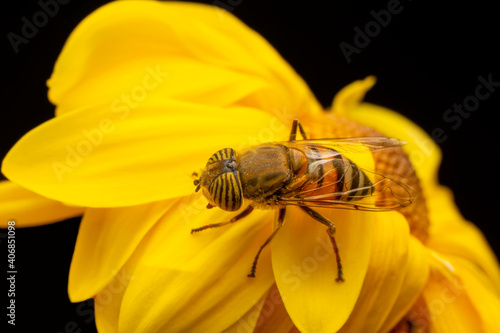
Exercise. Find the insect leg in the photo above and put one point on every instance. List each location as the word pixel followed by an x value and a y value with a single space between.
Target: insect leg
pixel 293 133
pixel 331 233
pixel 238 217
pixel 281 218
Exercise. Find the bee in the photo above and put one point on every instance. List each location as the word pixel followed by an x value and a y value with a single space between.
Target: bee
pixel 304 173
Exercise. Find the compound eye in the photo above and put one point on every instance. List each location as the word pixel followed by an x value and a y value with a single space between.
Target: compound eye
pixel 221 155
pixel 225 191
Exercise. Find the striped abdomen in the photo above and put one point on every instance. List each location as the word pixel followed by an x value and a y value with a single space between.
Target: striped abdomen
pixel 331 173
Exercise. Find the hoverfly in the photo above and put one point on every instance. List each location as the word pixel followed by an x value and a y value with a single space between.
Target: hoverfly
pixel 304 173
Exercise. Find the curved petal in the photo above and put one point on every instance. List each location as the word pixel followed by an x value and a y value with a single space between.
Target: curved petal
pixel 107 159
pixel 106 239
pixel 424 154
pixel 108 301
pixel 450 234
pixel 416 320
pixel 249 320
pixel 449 307
pixel 481 291
pixel 196 282
pixel 305 267
pixel 386 273
pixel 415 279
pixel 29 209
pixel 268 315
pixel 273 315
pixel 189 52
pixel 349 97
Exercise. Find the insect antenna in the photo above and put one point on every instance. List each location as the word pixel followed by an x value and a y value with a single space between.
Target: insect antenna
pixel 196 181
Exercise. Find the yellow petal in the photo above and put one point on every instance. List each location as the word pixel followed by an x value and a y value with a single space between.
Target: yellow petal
pixel 183 282
pixel 249 320
pixel 104 158
pixel 29 209
pixel 131 50
pixel 273 315
pixel 268 315
pixel 416 320
pixel 386 274
pixel 481 291
pixel 424 154
pixel 305 267
pixel 417 272
pixel 106 239
pixel 450 234
pixel 442 210
pixel 449 307
pixel 108 301
pixel 349 97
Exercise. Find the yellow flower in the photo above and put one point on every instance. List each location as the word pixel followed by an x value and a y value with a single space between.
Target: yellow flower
pixel 145 93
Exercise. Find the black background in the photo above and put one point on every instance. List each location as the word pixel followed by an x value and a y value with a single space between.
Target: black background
pixel 426 59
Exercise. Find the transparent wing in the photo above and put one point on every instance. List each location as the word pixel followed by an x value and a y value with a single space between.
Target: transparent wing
pixel 389 194
pixel 342 186
pixel 349 145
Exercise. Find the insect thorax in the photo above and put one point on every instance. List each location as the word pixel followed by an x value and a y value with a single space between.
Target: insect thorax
pixel 265 170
